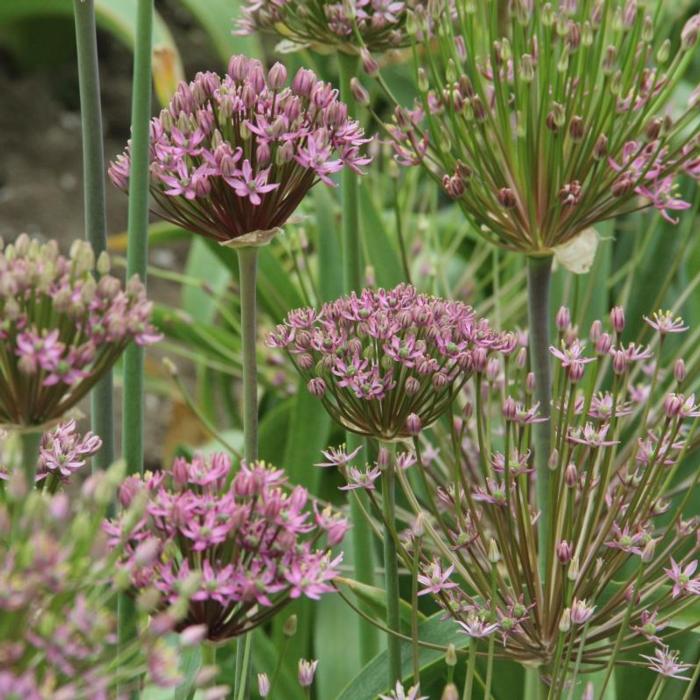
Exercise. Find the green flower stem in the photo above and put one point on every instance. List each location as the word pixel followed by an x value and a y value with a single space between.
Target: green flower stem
pixel 363 558
pixel 352 281
pixel 137 253
pixel 539 275
pixel 247 268
pixel 94 194
pixel 350 225
pixel 391 565
pixel 471 668
pixel 30 441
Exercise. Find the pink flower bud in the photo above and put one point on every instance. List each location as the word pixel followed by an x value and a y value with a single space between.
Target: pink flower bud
pixel 617 318
pixel 369 65
pixel 603 344
pixel 307 671
pixel 316 387
pixel 413 424
pixel 679 371
pixel 359 92
pixel 263 685
pixel 277 76
pixel 564 552
pixel 563 318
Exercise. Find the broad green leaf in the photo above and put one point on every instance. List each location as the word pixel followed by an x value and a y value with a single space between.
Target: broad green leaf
pixel 330 259
pixel 273 430
pixel 372 680
pixel 375 599
pixel 160 233
pixel 202 264
pixel 380 251
pixel 119 18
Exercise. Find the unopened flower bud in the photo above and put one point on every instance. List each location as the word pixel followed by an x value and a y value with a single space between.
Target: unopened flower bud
pixel 451 655
pixel 530 382
pixel 564 552
pixel 450 692
pixel 494 553
pixel 307 671
pixel 413 424
pixel 571 475
pixel 617 318
pixel 277 76
pixel 679 371
pixel 600 150
pixel 563 319
pixel 506 198
pixel 369 65
pixel 664 52
pixel 689 35
pixel 565 621
pixel 359 92
pixel 573 572
pixel 577 129
pixel 263 685
pixel 289 629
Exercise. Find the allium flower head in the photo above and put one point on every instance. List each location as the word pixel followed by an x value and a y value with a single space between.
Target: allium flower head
pixel 385 359
pixel 400 693
pixel 249 541
pixel 61 327
pixel 571 109
pixel 58 599
pixel 624 542
pixel 232 157
pixel 327 25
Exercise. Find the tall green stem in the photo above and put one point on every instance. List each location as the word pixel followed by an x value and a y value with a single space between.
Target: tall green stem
pixel 137 253
pixel 539 275
pixel 350 224
pixel 102 399
pixel 391 565
pixel 31 441
pixel 363 556
pixel 247 267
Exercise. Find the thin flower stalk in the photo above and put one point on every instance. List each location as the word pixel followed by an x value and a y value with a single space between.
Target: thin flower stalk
pixel 623 554
pixel 102 406
pixel 137 260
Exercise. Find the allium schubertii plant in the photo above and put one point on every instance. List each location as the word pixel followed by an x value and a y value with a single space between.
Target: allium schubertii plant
pixel 529 494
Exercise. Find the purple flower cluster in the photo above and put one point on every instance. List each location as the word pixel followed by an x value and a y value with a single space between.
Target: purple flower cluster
pixel 248 540
pixel 61 327
pixel 235 155
pixel 518 83
pixel 624 422
pixel 58 636
pixel 63 452
pixel 319 23
pixel 387 363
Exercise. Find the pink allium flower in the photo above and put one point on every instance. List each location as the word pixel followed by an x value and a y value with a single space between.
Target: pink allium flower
pixel 665 662
pixel 666 322
pixel 435 579
pixel 327 23
pixel 234 156
pixel 400 693
pixel 307 671
pixel 386 355
pixel 683 582
pixel 58 600
pixel 61 327
pixel 249 539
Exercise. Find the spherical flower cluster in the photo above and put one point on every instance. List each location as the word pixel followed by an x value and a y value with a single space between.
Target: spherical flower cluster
pixel 249 540
pixel 61 327
pixel 552 121
pixel 387 363
pixel 63 452
pixel 624 544
pixel 58 636
pixel 376 24
pixel 233 156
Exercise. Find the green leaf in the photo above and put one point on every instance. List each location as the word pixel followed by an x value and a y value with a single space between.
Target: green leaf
pixel 202 264
pixel 218 18
pixel 375 599
pixel 372 680
pixel 330 258
pixel 119 18
pixel 380 252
